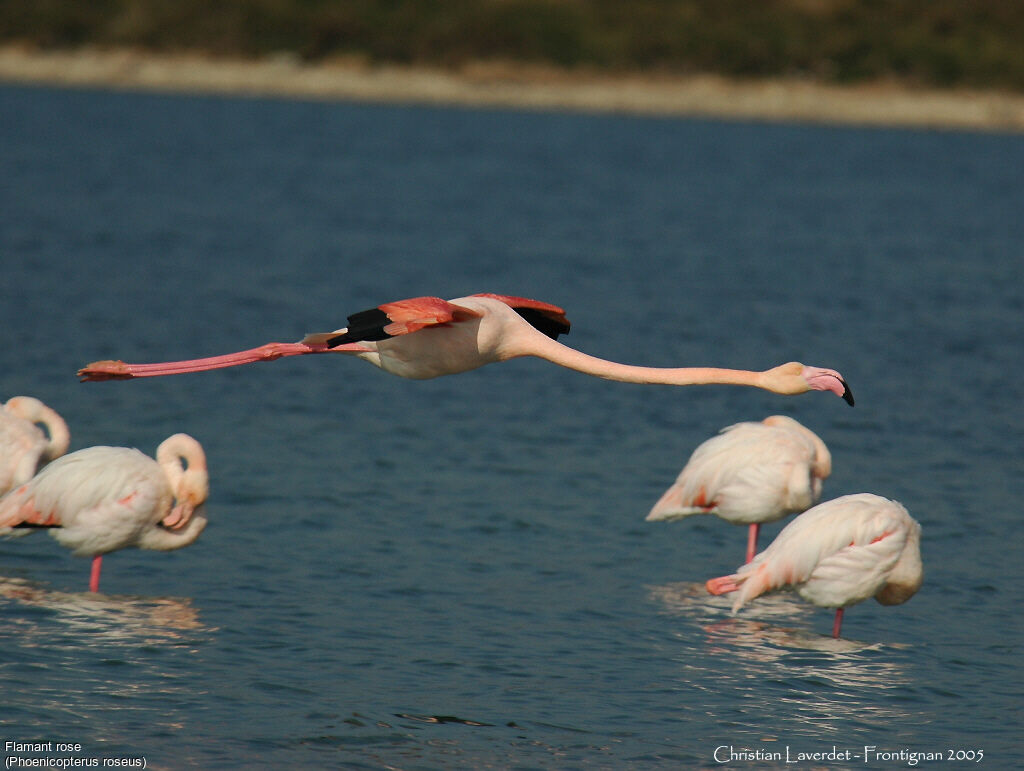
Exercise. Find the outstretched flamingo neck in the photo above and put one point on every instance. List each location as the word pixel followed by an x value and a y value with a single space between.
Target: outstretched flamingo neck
pixel 551 350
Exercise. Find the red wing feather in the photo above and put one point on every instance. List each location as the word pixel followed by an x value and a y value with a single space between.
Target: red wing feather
pixel 398 318
pixel 19 509
pixel 418 312
pixel 405 316
pixel 548 318
pixel 553 312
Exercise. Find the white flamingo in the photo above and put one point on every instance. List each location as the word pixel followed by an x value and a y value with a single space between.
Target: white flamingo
pixel 748 474
pixel 102 499
pixel 835 555
pixel 24 446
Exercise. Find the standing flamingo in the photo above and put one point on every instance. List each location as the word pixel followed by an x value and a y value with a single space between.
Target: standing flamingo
pixel 837 554
pixel 101 499
pixel 425 337
pixel 748 474
pixel 24 447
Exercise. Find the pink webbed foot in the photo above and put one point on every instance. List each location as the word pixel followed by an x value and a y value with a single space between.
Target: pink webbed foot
pixel 107 369
pixel 722 585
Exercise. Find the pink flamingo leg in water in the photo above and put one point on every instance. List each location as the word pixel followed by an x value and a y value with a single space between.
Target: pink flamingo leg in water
pixel 838 623
pixel 752 540
pixel 94 577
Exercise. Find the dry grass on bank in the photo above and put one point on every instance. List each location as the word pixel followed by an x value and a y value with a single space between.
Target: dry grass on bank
pixel 512 86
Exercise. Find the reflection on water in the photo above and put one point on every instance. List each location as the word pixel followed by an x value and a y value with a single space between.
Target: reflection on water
pixel 77 658
pixel 689 598
pixel 831 684
pixel 98 618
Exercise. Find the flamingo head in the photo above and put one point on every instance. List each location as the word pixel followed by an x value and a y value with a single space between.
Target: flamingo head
pixel 907 574
pixel 58 437
pixel 192 491
pixel 184 462
pixel 821 379
pixel 796 378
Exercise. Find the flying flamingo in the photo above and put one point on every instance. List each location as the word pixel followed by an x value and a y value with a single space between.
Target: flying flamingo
pixel 425 337
pixel 101 499
pixel 748 474
pixel 24 447
pixel 837 554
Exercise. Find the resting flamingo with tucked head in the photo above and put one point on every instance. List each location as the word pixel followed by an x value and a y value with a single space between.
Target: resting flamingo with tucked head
pixel 426 337
pixel 835 555
pixel 102 499
pixel 24 446
pixel 748 474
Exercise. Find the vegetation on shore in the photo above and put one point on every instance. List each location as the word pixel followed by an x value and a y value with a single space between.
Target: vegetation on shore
pixel 939 43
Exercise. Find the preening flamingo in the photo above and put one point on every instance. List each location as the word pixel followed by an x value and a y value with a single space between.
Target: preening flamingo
pixel 101 499
pixel 24 446
pixel 837 554
pixel 748 474
pixel 425 337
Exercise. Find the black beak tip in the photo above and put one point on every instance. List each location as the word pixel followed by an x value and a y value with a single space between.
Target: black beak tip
pixel 847 394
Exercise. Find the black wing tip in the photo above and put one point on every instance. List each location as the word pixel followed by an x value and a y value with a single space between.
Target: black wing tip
pixel 365 325
pixel 543 322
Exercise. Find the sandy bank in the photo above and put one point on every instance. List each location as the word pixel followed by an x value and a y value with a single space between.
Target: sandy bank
pixel 520 87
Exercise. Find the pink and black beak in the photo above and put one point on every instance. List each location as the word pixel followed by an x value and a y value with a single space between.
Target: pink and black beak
pixel 821 379
pixel 847 393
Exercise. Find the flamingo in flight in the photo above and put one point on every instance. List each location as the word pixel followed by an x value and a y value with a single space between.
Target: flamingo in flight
pixel 101 499
pixel 835 555
pixel 748 474
pixel 425 337
pixel 24 446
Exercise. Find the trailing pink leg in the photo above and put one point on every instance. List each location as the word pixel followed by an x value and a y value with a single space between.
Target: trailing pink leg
pixel 119 370
pixel 94 577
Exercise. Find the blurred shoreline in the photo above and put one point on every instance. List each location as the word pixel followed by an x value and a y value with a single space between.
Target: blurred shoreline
pixel 509 85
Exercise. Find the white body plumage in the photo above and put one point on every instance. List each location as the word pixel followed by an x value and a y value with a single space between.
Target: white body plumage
pixel 750 473
pixel 101 499
pixel 836 554
pixel 24 446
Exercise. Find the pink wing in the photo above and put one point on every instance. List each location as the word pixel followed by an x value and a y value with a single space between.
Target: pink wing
pixel 406 316
pixel 392 319
pixel 548 318
pixel 19 508
pixel 412 315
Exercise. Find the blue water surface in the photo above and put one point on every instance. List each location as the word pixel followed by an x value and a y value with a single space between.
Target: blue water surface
pixel 457 573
